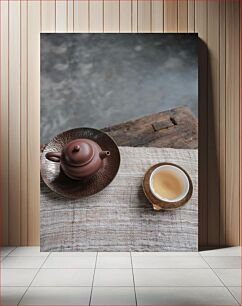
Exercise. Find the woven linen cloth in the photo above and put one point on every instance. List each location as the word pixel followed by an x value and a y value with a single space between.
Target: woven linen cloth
pixel 120 218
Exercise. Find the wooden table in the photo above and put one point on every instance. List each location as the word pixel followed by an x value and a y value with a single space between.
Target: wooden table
pixel 98 225
pixel 176 128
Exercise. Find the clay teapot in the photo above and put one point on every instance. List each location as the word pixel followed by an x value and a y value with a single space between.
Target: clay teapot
pixel 80 158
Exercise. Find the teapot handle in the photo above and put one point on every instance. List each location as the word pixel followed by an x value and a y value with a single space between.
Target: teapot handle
pixel 53 156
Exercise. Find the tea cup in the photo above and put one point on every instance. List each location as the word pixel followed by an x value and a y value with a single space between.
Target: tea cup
pixel 169 183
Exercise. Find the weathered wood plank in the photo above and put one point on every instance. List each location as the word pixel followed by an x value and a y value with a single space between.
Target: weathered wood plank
pixel 177 128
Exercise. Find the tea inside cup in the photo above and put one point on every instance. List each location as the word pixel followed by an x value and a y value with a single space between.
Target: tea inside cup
pixel 169 183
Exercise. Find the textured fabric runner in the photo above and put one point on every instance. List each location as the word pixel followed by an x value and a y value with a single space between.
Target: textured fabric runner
pixel 120 218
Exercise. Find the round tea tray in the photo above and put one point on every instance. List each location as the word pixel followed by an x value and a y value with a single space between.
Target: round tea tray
pixel 57 181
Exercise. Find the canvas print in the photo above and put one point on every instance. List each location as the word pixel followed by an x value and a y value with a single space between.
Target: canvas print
pixel 119 142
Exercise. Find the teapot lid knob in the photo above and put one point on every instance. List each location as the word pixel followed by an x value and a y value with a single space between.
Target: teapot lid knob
pixel 76 148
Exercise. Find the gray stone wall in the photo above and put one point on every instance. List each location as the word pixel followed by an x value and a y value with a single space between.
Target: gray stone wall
pixel 97 80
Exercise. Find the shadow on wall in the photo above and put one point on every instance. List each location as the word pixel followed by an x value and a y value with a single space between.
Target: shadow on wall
pixel 209 176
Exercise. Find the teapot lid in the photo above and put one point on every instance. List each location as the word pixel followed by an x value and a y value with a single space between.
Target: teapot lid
pixel 79 152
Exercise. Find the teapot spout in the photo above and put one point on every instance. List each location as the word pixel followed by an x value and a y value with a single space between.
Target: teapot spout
pixel 104 154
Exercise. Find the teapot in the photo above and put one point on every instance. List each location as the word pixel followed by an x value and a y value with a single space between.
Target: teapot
pixel 80 158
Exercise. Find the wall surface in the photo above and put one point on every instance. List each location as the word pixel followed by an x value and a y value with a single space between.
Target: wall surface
pixel 216 22
pixel 103 79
